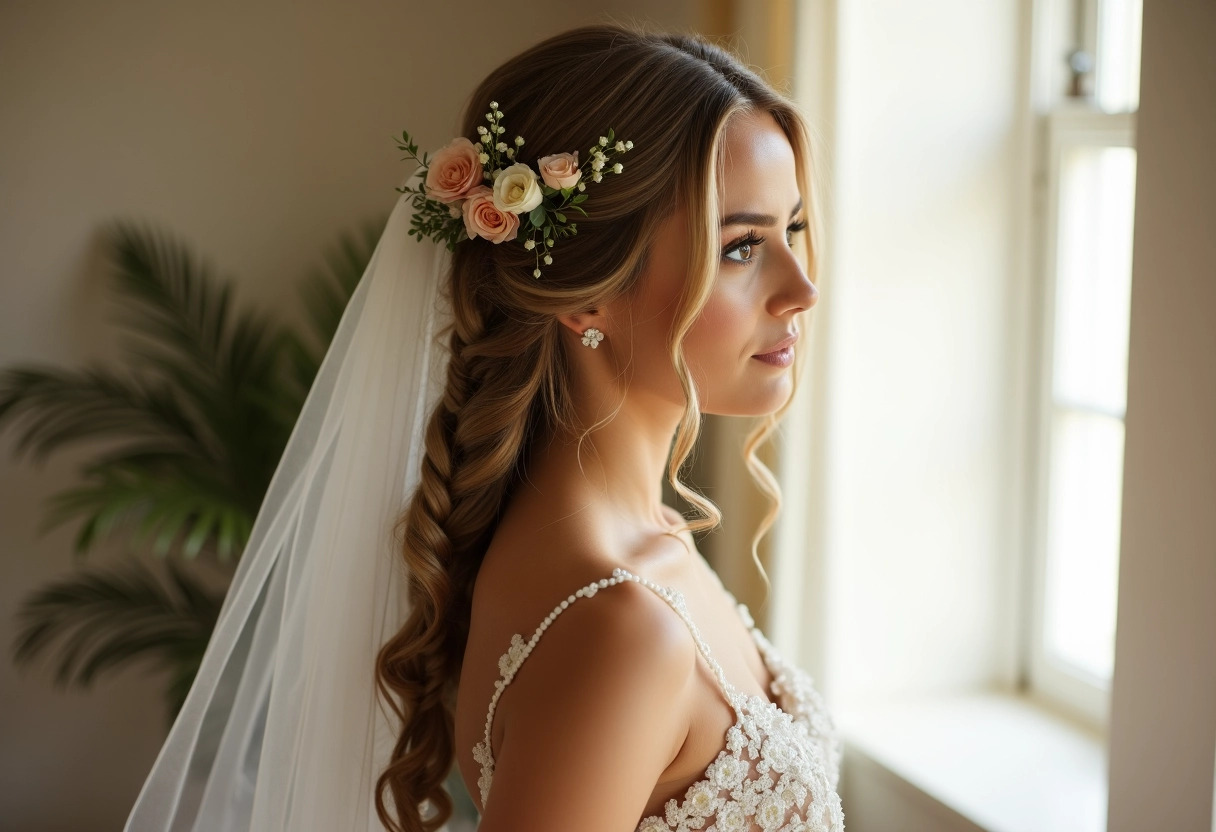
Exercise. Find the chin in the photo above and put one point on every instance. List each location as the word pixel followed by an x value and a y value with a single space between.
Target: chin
pixel 753 403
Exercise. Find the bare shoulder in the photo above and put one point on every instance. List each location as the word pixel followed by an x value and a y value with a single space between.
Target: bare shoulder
pixel 596 713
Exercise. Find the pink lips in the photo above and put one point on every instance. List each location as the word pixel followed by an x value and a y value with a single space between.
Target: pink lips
pixel 782 354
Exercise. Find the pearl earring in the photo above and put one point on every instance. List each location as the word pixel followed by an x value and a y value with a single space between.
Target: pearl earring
pixel 592 337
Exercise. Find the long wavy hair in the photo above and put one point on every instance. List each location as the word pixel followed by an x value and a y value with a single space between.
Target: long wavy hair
pixel 509 377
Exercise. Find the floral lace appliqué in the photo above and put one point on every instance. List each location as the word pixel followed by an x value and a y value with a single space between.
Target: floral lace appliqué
pixel 771 775
pixel 780 767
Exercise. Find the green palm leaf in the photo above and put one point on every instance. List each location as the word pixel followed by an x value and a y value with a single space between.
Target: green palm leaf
pixel 157 506
pixel 107 618
pixel 51 408
pixel 228 366
pixel 178 303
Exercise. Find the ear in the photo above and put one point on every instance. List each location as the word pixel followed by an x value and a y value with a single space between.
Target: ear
pixel 579 322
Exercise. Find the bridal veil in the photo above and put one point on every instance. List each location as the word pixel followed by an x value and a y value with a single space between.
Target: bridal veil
pixel 283 728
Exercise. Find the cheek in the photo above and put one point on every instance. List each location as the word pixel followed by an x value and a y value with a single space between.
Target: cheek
pixel 720 333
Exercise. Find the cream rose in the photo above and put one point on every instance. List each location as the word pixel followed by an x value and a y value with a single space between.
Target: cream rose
pixel 454 170
pixel 560 170
pixel 517 190
pixel 483 218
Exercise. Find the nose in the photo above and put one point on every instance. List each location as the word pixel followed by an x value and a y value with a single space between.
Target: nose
pixel 794 290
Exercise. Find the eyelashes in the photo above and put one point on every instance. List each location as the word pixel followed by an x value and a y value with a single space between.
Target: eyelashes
pixel 751 241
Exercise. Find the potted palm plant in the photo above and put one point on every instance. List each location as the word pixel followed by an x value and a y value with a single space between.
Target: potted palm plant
pixel 193 420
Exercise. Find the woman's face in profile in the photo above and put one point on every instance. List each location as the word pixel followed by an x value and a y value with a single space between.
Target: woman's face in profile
pixel 759 289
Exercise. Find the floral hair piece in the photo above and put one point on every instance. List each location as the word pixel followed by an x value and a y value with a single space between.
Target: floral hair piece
pixel 454 203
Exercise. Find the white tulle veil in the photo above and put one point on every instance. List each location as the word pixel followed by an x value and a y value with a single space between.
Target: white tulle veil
pixel 282 729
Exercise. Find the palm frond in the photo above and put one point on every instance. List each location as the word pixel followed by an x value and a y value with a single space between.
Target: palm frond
pixel 105 618
pixel 51 408
pixel 156 503
pixel 180 306
pixel 180 324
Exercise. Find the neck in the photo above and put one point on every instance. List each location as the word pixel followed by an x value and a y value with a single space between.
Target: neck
pixel 614 481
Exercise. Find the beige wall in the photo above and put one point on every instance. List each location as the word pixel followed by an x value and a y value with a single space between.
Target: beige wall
pixel 255 130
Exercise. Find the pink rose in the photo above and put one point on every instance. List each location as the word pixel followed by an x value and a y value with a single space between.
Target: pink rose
pixel 453 171
pixel 560 170
pixel 482 217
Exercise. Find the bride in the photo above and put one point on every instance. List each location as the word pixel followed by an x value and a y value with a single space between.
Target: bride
pixel 464 557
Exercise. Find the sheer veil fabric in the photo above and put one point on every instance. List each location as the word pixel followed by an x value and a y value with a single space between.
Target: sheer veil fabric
pixel 283 729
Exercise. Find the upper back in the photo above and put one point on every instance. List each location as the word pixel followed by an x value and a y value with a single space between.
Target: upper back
pixel 609 723
pixel 599 711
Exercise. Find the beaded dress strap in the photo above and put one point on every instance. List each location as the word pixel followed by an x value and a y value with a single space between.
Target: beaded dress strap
pixel 510 661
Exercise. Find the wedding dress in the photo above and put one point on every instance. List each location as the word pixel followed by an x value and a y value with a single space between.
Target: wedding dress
pixel 781 765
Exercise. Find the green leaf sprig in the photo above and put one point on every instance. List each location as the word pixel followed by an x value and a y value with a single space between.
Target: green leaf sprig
pixel 540 227
pixel 432 218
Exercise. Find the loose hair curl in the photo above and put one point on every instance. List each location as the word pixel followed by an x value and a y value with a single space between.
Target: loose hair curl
pixel 508 383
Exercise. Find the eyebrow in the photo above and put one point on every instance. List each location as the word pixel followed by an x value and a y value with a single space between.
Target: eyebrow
pixel 747 218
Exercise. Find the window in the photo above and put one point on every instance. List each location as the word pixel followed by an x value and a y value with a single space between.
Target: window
pixel 1086 175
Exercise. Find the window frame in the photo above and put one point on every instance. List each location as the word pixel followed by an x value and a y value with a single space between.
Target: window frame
pixel 1070 123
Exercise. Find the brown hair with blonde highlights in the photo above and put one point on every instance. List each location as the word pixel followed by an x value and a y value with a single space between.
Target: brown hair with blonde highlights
pixel 508 380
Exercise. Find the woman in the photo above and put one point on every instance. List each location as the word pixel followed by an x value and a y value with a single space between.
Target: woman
pixel 542 473
pixel 351 669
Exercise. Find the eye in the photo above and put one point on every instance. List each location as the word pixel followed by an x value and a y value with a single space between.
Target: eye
pixel 745 245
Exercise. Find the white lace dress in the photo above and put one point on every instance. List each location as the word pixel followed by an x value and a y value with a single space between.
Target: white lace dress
pixel 780 766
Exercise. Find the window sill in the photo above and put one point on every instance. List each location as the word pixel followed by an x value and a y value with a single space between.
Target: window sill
pixel 998 760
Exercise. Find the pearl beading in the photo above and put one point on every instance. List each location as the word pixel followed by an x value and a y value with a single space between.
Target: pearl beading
pixel 510 661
